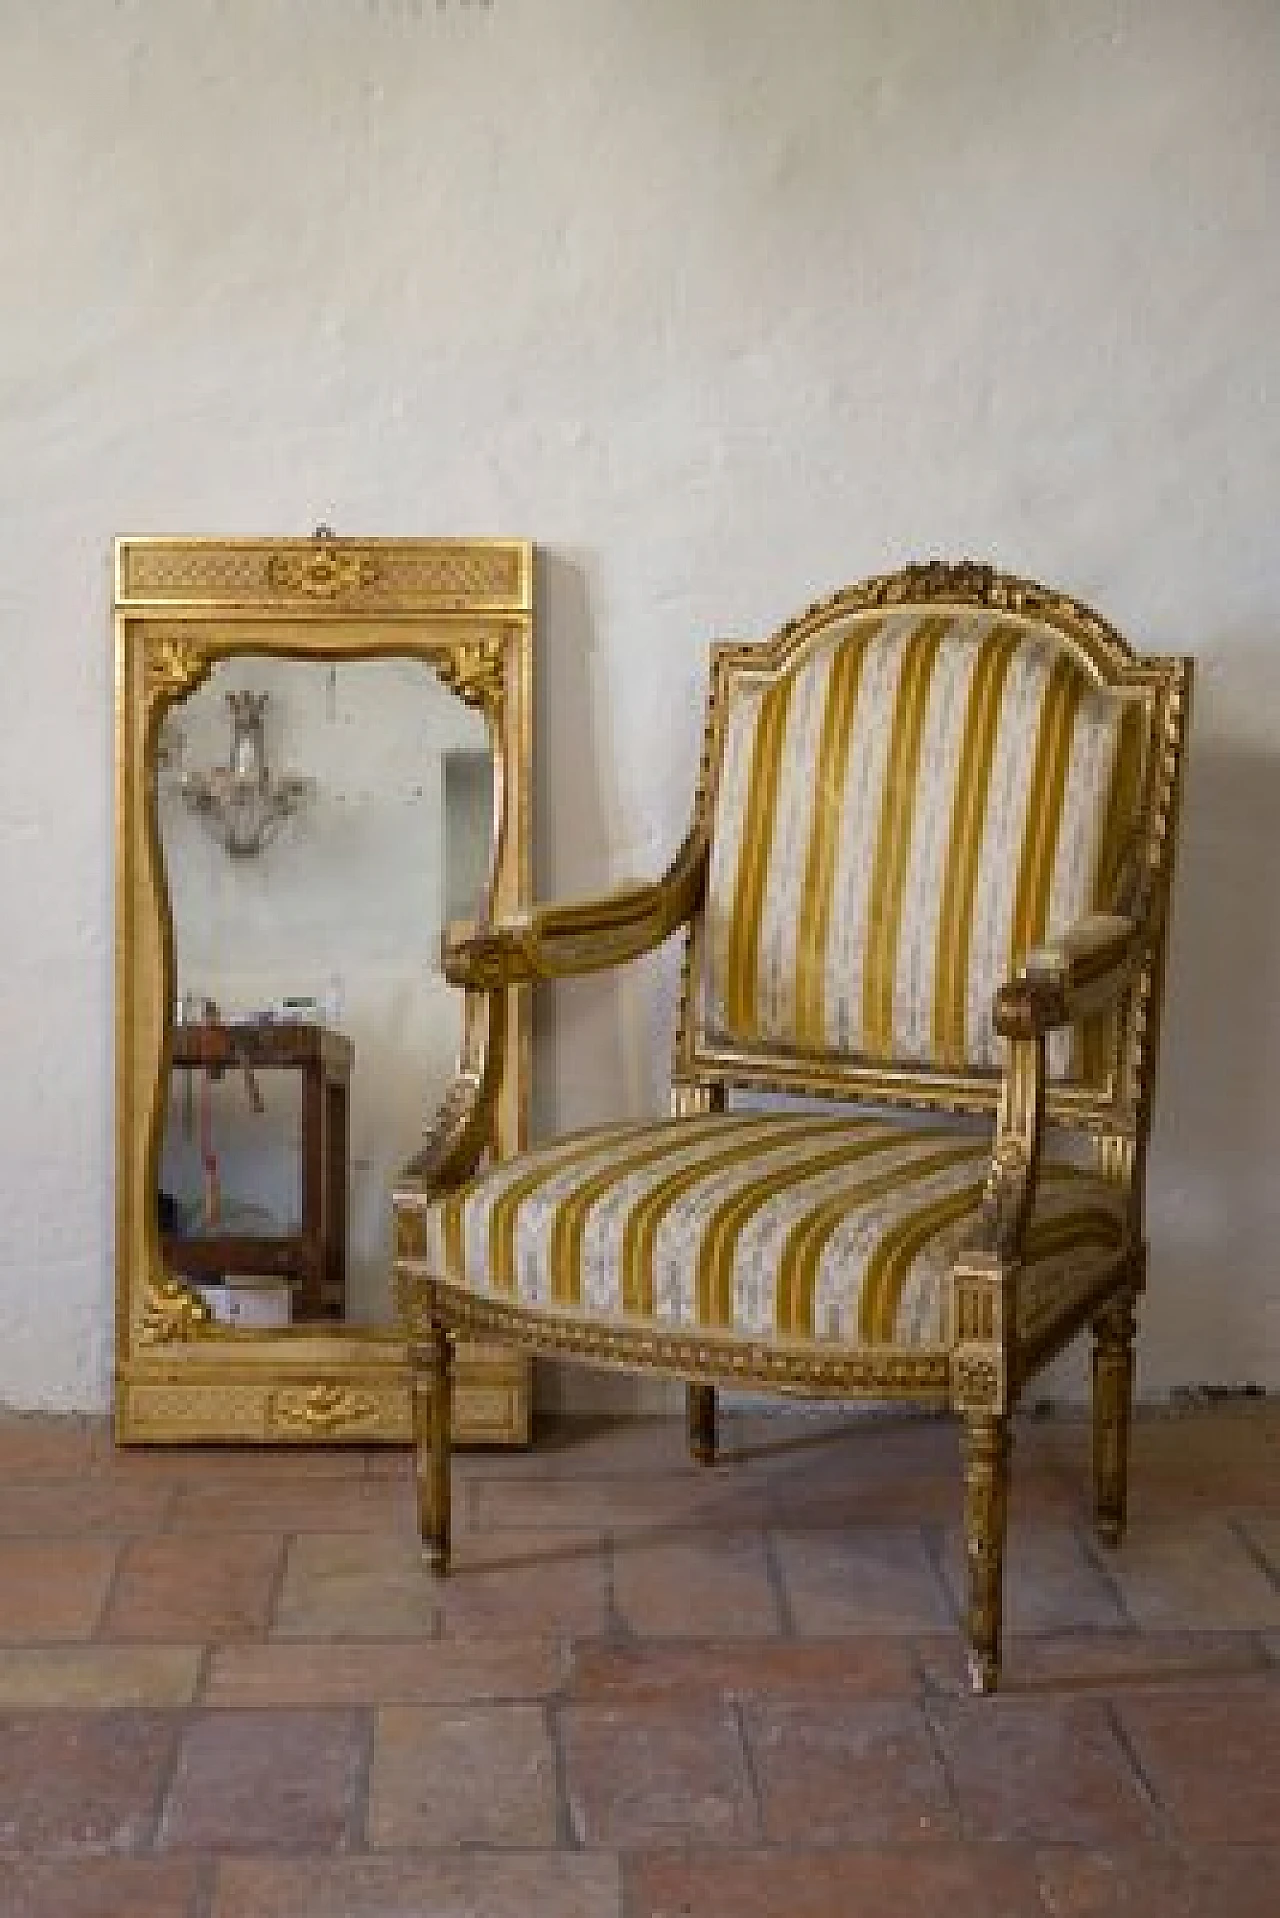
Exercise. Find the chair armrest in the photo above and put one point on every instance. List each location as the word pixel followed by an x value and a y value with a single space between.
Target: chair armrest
pixel 1079 972
pixel 555 942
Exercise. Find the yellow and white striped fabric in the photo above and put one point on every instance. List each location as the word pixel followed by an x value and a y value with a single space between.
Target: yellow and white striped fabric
pixel 795 1227
pixel 899 817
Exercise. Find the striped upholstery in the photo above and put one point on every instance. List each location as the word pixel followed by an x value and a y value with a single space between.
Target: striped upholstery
pixel 898 818
pixel 769 1226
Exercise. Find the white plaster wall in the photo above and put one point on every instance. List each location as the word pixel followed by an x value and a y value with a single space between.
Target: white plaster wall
pixel 724 303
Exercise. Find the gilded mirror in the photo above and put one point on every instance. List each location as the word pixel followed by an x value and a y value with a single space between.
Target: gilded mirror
pixel 322 758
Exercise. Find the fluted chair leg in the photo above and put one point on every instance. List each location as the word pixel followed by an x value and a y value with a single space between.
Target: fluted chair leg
pixel 433 1428
pixel 700 1420
pixel 986 1497
pixel 1113 1332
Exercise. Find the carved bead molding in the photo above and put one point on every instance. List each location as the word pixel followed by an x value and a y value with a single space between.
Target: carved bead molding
pixel 172 1313
pixel 969 583
pixel 474 671
pixel 838 1371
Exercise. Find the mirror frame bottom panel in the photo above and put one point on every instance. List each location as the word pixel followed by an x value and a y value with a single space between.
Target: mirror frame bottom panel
pixel 322 1403
pixel 464 608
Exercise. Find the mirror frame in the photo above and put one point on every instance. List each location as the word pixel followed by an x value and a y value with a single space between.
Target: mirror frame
pixel 465 608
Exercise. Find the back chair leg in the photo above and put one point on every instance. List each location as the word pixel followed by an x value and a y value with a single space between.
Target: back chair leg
pixel 700 1421
pixel 986 1496
pixel 1113 1332
pixel 433 1430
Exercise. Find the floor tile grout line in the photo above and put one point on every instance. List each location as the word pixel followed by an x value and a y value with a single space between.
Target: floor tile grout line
pixel 737 1712
pixel 628 1895
pixel 362 1785
pixel 925 1687
pixel 204 1671
pixel 183 1718
pixel 1095 1555
pixel 617 1631
pixel 109 1593
pixel 787 1631
pixel 553 1720
pixel 168 1508
pixel 1146 1786
pixel 934 1736
pixel 1240 1530
pixel 271 1618
pixel 205 1890
pixel 933 1545
pixel 562 1692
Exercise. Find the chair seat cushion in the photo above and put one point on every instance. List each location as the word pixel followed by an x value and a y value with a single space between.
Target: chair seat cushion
pixel 794 1227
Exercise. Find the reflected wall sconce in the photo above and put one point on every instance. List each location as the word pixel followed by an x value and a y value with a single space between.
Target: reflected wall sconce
pixel 243 802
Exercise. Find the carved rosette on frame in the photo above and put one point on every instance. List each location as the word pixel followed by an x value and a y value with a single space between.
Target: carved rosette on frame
pixel 324 1409
pixel 323 573
pixel 171 1312
pixel 173 666
pixel 475 672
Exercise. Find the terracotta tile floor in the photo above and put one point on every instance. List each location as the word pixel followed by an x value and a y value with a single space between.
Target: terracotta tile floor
pixel 229 1690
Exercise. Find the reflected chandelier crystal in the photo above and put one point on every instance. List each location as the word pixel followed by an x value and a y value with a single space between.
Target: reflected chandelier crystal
pixel 242 802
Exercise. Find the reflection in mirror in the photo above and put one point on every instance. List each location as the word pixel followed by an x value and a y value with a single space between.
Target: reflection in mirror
pixel 314 1033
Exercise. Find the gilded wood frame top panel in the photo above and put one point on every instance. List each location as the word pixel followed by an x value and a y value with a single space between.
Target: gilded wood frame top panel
pixel 323 573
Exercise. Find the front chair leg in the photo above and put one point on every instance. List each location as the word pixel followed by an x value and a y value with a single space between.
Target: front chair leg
pixel 700 1422
pixel 433 1427
pixel 1113 1332
pixel 986 1496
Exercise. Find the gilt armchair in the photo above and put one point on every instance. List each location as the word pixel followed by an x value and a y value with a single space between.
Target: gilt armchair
pixel 926 879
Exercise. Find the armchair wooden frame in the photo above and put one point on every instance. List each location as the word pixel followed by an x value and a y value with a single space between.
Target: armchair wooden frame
pixel 1110 960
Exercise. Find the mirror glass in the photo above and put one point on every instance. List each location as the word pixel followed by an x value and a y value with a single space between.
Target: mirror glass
pixel 320 823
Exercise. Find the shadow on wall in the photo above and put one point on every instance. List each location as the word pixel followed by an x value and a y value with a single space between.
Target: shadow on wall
pixel 1213 1210
pixel 584 1070
pixel 578 1046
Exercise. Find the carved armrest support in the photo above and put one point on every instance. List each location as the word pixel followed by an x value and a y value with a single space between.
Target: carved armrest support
pixel 1066 980
pixel 984 1283
pixel 464 1126
pixel 1015 1153
pixel 555 942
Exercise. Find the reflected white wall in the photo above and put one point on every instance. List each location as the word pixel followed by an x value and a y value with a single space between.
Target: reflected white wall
pixel 344 905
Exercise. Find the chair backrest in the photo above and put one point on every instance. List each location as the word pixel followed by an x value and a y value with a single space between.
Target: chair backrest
pixel 904 790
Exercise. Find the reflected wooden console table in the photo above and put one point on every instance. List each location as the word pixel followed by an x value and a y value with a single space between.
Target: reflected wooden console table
pixel 314 1259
